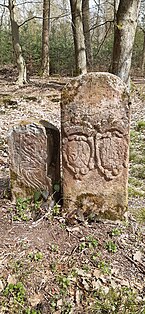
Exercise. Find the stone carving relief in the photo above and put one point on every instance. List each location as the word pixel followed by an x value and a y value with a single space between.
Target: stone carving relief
pixel 79 154
pixel 87 148
pixel 110 153
pixel 32 164
pixel 34 150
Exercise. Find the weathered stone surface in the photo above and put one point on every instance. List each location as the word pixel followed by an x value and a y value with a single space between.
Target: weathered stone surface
pixel 95 139
pixel 34 158
pixel 4 187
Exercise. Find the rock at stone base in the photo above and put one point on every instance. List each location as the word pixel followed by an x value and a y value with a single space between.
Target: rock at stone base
pixel 34 150
pixel 95 145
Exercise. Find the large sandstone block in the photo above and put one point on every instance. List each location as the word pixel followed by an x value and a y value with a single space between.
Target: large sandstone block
pixel 34 150
pixel 95 143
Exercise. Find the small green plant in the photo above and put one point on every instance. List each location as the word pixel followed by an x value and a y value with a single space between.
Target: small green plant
pixel 92 242
pixel 22 211
pixel 54 248
pixel 133 134
pixel 82 246
pixel 56 187
pixel 104 267
pixel 37 196
pixel 111 246
pixel 140 125
pixel 139 214
pixel 64 283
pixel 122 301
pixel 16 292
pixel 35 256
pixel 134 192
pixel 86 268
pixel 18 265
pixel 56 209
pixel 133 156
pixel 53 303
pixel 135 182
pixel 63 226
pixel 88 243
pixel 22 203
pixel 115 232
pixel 95 256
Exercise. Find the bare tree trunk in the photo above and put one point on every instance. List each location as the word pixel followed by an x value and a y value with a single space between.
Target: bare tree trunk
pixel 125 28
pixel 143 56
pixel 16 45
pixel 45 38
pixel 86 28
pixel 78 35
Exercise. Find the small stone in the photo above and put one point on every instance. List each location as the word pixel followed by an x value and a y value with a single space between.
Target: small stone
pixel 34 159
pixel 97 273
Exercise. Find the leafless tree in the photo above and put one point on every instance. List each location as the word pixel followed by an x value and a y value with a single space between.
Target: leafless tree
pixel 16 45
pixel 45 37
pixel 78 35
pixel 86 28
pixel 124 34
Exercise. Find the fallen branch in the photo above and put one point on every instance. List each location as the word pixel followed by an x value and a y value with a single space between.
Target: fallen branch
pixel 139 265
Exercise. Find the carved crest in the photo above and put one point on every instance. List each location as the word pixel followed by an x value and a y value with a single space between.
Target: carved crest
pixel 110 153
pixel 78 152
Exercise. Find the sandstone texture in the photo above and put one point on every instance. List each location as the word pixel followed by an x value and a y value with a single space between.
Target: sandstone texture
pixel 34 158
pixel 95 114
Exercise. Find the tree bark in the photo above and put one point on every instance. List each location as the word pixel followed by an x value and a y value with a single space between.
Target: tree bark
pixel 143 56
pixel 16 45
pixel 86 28
pixel 45 38
pixel 78 35
pixel 125 28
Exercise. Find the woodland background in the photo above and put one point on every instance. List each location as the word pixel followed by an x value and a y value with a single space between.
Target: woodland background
pixel 44 32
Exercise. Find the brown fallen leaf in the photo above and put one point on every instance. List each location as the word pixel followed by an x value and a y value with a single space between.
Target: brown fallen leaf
pixel 1 286
pixel 97 273
pixel 137 256
pixel 96 284
pixel 11 279
pixel 35 299
pixel 59 303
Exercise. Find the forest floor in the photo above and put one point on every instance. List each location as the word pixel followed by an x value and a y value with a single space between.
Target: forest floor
pixel 48 265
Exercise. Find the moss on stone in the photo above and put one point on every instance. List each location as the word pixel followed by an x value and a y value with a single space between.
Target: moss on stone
pixel 92 204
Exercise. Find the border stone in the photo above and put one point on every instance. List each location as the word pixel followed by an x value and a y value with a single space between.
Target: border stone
pixel 95 113
pixel 34 156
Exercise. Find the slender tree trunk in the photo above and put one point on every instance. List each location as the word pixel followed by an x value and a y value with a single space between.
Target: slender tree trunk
pixel 16 45
pixel 125 28
pixel 143 56
pixel 78 35
pixel 116 5
pixel 86 28
pixel 45 38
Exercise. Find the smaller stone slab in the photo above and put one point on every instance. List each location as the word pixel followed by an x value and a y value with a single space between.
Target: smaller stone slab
pixel 95 123
pixel 34 150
